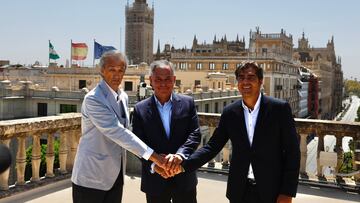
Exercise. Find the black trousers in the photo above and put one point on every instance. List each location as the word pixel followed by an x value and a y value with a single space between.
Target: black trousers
pixel 172 196
pixel 82 194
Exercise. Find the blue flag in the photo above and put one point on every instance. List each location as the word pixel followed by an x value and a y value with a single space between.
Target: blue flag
pixel 100 49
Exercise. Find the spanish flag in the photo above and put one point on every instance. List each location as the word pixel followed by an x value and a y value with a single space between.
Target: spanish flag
pixel 79 51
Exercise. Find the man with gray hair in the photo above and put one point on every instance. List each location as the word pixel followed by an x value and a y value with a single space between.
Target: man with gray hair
pixel 99 166
pixel 168 123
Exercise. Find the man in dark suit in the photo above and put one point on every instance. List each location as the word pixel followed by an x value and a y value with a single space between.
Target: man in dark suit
pixel 265 148
pixel 168 123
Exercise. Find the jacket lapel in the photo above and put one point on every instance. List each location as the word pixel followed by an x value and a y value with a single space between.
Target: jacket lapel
pixel 175 111
pixel 110 100
pixel 154 114
pixel 239 113
pixel 263 113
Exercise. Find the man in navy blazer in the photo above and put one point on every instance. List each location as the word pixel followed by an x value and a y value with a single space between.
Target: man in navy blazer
pixel 168 123
pixel 265 148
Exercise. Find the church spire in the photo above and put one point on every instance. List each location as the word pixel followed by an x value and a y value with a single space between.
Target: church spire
pixel 158 48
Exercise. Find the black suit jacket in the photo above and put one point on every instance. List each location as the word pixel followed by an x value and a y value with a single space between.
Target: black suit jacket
pixel 274 153
pixel 184 138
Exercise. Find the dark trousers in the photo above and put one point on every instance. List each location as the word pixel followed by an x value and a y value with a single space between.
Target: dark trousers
pixel 170 196
pixel 251 194
pixel 82 194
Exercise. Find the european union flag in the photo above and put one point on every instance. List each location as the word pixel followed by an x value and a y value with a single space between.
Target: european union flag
pixel 100 49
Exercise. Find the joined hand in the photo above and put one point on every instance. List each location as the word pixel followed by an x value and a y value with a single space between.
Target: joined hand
pixel 171 167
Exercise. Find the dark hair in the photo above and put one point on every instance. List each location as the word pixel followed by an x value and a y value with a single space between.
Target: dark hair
pixel 250 64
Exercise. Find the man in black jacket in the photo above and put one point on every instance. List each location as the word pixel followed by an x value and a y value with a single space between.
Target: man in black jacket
pixel 265 148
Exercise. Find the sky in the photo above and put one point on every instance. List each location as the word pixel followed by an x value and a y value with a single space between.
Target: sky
pixel 26 26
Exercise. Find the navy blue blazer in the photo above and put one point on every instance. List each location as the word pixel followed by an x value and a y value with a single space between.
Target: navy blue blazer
pixel 274 153
pixel 184 138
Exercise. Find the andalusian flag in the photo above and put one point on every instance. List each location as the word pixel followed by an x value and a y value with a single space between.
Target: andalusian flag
pixel 79 51
pixel 52 53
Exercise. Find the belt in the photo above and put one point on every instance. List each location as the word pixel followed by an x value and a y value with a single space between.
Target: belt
pixel 251 181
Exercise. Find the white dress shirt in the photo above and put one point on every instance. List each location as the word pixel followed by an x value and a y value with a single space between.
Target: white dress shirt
pixel 250 122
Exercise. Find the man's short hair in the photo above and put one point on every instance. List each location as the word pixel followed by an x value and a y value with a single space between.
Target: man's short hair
pixel 250 64
pixel 112 54
pixel 161 64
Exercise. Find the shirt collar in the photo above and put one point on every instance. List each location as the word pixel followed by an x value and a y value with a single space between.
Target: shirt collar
pixel 158 102
pixel 115 94
pixel 257 104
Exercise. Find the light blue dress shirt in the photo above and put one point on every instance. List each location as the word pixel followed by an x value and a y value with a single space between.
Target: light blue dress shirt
pixel 165 114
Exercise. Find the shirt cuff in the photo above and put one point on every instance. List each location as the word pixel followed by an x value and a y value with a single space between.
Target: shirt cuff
pixel 152 171
pixel 148 153
pixel 182 155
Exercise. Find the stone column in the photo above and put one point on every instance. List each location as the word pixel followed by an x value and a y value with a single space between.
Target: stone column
pixel 211 163
pixel 339 152
pixel 319 149
pixel 4 176
pixel 50 155
pixel 72 149
pixel 226 156
pixel 63 152
pixel 21 160
pixel 303 150
pixel 357 158
pixel 36 158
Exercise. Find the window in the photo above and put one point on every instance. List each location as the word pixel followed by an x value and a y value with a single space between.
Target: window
pixel 225 66
pixel 128 86
pixel 182 66
pixel 206 108
pixel 197 82
pixel 211 66
pixel 216 107
pixel 264 50
pixel 198 66
pixel 67 108
pixel 42 109
pixel 224 103
pixel 82 84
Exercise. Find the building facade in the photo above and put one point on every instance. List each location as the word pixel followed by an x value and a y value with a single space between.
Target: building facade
pixel 273 52
pixel 322 61
pixel 139 32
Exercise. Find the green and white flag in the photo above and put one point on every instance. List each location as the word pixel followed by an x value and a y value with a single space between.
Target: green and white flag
pixel 52 53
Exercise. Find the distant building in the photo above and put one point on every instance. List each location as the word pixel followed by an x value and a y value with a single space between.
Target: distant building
pixel 139 32
pixel 327 67
pixel 273 52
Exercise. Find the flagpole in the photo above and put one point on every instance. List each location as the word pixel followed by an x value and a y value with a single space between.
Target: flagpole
pixel 70 53
pixel 49 54
pixel 94 55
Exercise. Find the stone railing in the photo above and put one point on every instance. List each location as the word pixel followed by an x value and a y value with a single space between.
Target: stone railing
pixel 67 126
pixel 304 127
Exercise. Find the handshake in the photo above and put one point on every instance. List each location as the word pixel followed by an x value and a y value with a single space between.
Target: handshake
pixel 168 165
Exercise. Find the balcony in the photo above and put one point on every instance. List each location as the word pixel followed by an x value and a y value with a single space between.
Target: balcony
pixel 66 129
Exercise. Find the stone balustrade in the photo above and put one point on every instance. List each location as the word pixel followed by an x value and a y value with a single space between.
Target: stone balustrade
pixel 68 126
pixel 304 127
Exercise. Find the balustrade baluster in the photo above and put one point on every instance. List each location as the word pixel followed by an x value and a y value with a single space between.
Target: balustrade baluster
pixel 63 152
pixel 303 150
pixel 21 160
pixel 4 176
pixel 319 149
pixel 50 155
pixel 36 158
